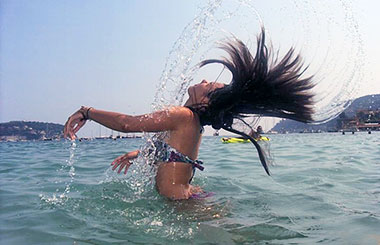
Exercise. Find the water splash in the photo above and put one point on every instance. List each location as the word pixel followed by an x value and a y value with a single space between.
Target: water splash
pixel 60 198
pixel 324 32
pixel 70 163
pixel 140 179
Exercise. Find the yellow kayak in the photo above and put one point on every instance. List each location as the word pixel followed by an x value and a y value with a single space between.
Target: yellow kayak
pixel 240 140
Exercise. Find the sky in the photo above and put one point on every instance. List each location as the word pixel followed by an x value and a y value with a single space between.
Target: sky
pixel 58 55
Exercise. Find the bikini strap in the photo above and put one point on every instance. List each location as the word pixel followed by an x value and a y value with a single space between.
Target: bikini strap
pixel 197 164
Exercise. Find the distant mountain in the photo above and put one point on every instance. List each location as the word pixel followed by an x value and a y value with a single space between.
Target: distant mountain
pixel 23 130
pixel 369 102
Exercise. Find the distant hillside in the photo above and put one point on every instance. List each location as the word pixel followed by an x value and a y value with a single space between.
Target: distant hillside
pixel 22 130
pixel 369 102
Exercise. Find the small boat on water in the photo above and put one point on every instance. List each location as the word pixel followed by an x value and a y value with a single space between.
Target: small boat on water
pixel 241 140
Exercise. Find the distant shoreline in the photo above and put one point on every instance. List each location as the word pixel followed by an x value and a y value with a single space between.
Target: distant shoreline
pixel 363 114
pixel 17 140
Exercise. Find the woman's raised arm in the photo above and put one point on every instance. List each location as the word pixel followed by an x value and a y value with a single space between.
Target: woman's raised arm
pixel 165 120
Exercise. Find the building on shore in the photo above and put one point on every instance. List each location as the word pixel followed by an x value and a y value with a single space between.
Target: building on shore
pixel 364 120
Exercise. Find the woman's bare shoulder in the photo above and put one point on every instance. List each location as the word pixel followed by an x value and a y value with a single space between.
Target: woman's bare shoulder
pixel 182 116
pixel 181 112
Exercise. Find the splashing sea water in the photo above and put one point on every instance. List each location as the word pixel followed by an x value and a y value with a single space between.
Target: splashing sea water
pixel 322 31
pixel 60 198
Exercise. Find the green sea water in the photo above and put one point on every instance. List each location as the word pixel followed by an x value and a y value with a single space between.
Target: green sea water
pixel 324 188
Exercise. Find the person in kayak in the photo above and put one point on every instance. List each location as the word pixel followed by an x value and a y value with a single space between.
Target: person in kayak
pixel 261 85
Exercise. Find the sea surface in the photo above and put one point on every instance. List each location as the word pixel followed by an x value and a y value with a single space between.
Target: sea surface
pixel 324 188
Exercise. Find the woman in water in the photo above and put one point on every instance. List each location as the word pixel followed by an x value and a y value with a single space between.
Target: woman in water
pixel 259 86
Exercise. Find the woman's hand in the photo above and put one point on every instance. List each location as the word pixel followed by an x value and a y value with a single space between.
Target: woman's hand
pixel 75 122
pixel 123 161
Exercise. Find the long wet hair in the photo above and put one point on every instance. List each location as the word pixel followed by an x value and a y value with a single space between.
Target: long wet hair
pixel 260 86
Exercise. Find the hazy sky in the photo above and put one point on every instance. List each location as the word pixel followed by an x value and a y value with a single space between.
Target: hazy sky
pixel 58 55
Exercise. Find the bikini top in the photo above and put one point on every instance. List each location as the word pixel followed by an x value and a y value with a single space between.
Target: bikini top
pixel 165 153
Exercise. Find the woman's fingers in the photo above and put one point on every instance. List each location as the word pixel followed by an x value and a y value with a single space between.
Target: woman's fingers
pixel 126 169
pixel 121 168
pixel 114 161
pixel 116 165
pixel 73 124
pixel 126 164
pixel 76 123
pixel 123 161
pixel 78 126
pixel 66 128
pixel 117 160
pixel 69 129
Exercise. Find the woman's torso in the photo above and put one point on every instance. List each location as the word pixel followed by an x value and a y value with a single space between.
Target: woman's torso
pixel 173 178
